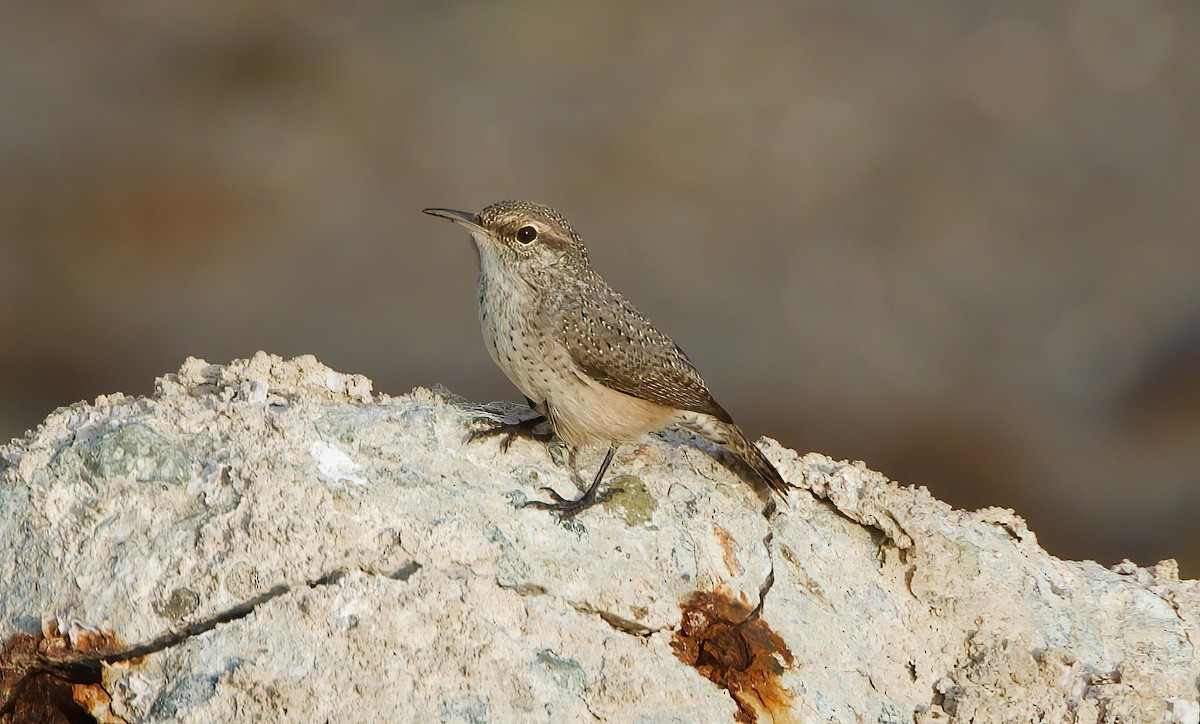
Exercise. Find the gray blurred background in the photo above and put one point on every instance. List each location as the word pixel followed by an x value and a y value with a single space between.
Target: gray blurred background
pixel 957 240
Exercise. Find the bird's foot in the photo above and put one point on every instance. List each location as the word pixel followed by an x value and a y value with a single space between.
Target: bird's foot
pixel 534 428
pixel 567 508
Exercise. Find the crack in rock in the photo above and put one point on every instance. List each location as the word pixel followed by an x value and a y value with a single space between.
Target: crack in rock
pixel 619 623
pixel 769 581
pixel 59 676
pixel 234 613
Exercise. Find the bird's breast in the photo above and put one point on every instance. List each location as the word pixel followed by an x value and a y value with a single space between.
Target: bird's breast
pixel 581 409
pixel 513 338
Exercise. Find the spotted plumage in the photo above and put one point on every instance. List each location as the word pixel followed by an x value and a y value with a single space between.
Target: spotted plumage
pixel 586 359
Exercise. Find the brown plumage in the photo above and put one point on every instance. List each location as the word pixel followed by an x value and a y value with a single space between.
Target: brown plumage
pixel 597 369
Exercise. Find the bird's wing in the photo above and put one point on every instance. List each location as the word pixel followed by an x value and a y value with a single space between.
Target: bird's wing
pixel 619 348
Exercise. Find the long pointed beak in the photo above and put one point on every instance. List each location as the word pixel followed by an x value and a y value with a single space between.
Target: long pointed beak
pixel 462 218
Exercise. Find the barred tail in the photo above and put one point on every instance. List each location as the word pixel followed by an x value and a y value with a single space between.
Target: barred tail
pixel 749 453
pixel 731 437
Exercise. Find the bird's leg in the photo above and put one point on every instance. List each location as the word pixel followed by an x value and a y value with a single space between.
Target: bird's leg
pixel 568 508
pixel 535 428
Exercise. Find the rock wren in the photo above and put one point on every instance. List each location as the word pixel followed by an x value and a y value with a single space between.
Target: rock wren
pixel 585 359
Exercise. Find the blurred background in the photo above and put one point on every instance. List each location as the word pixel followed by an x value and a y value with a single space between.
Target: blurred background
pixel 958 240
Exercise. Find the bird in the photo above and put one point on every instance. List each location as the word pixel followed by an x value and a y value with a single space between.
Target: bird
pixel 594 369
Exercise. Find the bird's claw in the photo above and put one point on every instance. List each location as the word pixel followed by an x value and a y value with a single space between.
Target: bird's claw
pixel 532 428
pixel 568 508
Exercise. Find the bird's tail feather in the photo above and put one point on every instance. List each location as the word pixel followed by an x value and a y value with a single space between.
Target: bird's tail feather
pixel 731 437
pixel 748 452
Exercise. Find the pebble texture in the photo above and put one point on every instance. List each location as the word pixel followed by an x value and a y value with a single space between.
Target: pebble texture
pixel 270 539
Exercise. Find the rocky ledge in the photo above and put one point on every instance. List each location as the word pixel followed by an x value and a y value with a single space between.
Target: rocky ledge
pixel 268 539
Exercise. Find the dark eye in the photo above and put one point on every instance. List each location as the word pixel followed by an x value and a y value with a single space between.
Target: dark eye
pixel 526 234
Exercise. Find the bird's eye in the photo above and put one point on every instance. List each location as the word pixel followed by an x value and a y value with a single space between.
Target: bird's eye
pixel 526 234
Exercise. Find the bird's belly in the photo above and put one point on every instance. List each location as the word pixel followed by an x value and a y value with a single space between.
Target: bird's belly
pixel 585 412
pixel 582 410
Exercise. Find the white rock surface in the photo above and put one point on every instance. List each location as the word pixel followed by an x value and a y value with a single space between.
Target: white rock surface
pixel 322 553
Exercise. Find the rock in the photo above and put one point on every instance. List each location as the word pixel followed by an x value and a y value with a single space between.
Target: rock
pixel 269 539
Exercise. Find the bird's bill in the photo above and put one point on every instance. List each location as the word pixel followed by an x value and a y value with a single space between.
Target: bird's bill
pixel 463 218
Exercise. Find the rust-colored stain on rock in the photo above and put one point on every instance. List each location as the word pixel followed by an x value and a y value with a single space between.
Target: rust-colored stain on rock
pixel 737 652
pixel 728 550
pixel 56 676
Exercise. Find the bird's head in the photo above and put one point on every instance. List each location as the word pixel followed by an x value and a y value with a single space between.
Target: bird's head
pixel 528 240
